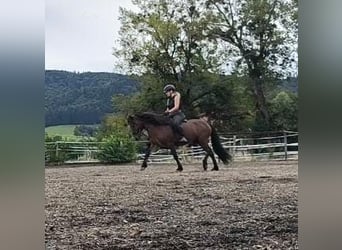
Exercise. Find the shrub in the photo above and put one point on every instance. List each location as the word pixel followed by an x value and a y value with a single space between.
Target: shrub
pixel 85 130
pixel 117 148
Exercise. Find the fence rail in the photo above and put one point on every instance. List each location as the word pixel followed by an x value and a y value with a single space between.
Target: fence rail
pixel 241 147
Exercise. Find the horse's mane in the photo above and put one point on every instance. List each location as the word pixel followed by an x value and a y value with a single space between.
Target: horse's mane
pixel 153 118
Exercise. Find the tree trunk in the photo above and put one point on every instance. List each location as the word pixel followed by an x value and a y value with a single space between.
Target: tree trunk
pixel 260 99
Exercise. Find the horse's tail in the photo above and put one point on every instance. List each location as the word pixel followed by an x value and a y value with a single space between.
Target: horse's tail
pixel 218 148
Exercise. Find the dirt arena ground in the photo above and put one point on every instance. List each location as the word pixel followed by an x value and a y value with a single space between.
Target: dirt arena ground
pixel 247 205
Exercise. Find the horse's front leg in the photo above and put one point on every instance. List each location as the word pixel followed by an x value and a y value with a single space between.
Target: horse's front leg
pixel 175 156
pixel 147 154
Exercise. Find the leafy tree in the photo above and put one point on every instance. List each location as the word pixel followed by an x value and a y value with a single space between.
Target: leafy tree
pixel 188 43
pixel 84 130
pixel 166 42
pixel 262 39
pixel 284 110
pixel 112 124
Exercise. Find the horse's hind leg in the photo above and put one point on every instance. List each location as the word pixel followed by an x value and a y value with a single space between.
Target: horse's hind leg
pixel 212 156
pixel 205 162
pixel 175 156
pixel 147 154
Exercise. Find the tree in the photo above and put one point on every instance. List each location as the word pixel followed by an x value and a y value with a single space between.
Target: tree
pixel 84 130
pixel 167 42
pixel 262 40
pixel 284 110
pixel 189 43
pixel 112 124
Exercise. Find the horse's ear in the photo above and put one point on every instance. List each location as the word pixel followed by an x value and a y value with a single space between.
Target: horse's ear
pixel 130 118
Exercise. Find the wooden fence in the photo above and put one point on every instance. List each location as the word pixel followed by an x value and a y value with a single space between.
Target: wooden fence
pixel 240 147
pixel 243 147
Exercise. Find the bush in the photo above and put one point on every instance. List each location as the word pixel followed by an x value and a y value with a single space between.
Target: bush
pixel 84 130
pixel 117 148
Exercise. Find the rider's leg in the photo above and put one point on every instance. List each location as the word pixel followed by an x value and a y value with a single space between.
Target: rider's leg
pixel 177 121
pixel 177 128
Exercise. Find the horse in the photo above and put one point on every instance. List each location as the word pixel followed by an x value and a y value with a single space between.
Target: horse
pixel 161 135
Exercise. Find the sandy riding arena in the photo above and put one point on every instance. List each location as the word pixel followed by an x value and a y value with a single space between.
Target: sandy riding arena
pixel 248 205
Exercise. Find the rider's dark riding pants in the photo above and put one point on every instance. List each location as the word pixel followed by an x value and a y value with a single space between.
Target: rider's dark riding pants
pixel 177 120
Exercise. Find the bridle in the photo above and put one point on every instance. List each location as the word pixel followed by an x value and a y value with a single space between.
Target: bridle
pixel 137 131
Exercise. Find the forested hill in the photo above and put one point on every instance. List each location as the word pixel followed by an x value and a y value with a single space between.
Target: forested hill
pixel 82 98
pixel 290 84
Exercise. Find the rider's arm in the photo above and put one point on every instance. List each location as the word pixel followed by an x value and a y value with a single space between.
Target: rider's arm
pixel 177 103
pixel 167 107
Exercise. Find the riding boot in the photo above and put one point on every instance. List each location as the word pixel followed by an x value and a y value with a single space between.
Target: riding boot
pixel 182 139
pixel 179 130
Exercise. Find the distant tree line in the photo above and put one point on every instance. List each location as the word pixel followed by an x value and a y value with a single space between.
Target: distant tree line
pixel 82 98
pixel 66 104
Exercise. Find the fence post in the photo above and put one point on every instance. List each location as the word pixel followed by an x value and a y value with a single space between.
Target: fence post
pixel 57 150
pixel 285 145
pixel 234 147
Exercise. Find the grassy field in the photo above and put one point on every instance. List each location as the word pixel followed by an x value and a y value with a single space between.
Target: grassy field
pixel 62 130
pixel 66 131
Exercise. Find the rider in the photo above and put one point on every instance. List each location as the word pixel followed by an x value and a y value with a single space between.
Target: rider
pixel 173 109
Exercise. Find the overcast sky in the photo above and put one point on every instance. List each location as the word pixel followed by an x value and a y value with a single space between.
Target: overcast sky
pixel 80 34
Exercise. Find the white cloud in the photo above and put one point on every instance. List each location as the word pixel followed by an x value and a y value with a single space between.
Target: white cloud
pixel 80 34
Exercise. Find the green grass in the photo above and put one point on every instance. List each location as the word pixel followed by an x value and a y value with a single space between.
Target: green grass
pixel 62 130
pixel 65 131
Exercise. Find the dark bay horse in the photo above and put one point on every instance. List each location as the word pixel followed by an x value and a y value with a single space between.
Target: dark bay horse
pixel 161 135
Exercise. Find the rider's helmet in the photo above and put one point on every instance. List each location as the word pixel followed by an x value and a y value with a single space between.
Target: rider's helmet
pixel 169 87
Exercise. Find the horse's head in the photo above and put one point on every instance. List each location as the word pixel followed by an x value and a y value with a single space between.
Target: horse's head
pixel 136 125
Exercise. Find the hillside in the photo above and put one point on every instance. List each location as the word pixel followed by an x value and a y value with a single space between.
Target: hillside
pixel 289 84
pixel 82 98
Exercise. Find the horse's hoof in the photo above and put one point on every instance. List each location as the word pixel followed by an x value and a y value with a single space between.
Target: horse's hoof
pixel 215 169
pixel 142 168
pixel 179 170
